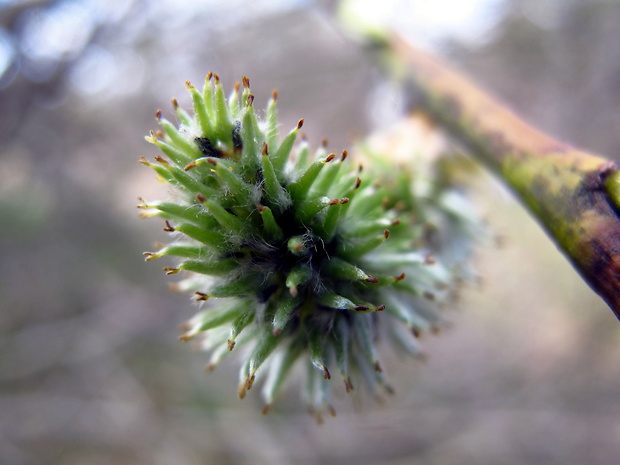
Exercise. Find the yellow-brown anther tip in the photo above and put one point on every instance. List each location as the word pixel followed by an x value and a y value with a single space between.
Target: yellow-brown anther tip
pixel 190 165
pixel 169 227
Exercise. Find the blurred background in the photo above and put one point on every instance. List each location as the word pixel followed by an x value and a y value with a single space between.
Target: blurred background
pixel 91 370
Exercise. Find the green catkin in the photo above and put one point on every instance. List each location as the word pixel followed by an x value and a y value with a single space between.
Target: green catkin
pixel 290 253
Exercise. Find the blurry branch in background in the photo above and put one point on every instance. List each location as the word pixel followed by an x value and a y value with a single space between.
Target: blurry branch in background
pixel 573 194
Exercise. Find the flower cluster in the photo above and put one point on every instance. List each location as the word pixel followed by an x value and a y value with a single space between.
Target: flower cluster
pixel 299 257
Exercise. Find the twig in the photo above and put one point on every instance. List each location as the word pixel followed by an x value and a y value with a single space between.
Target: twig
pixel 563 187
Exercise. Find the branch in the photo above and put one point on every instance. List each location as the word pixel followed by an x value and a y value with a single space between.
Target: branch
pixel 563 187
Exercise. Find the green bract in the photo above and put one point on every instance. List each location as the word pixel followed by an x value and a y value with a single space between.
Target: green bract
pixel 301 259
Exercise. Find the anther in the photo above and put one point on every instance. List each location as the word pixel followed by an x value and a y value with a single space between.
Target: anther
pixel 158 115
pixel 168 227
pixel 300 123
pixel 249 382
pixel 330 157
pixel 190 165
pixel 246 82
pixel 265 149
pixel 386 233
pixel 250 100
pixel 348 384
pixel 200 296
pixel 201 198
pixel 274 94
pixel 175 104
pixel 358 183
pixel 372 279
pixel 400 277
pixel 344 200
pixel 380 308
pixel 171 270
pixel 344 155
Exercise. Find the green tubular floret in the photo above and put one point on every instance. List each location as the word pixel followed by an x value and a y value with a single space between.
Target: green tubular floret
pixel 271 228
pixel 223 122
pixel 291 254
pixel 271 126
pixel 180 143
pixel 283 152
pixel 207 237
pixel 201 111
pixel 275 193
pixel 279 369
